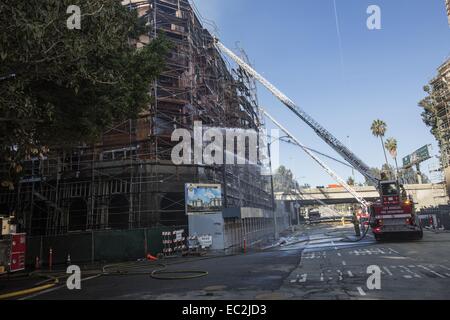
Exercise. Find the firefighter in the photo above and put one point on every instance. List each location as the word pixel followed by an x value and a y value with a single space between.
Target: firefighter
pixel 403 192
pixel 356 224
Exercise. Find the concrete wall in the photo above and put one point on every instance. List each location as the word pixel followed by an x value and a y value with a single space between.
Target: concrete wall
pixel 428 195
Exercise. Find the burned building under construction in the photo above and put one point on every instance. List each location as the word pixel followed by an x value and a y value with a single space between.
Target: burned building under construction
pixel 447 5
pixel 437 115
pixel 127 180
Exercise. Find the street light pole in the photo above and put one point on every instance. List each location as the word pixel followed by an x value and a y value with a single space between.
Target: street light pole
pixel 275 216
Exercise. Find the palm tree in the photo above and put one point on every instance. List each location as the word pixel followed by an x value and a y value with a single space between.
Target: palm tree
pixel 391 147
pixel 379 128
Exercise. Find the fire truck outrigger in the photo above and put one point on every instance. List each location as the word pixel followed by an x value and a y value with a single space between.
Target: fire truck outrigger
pixel 393 213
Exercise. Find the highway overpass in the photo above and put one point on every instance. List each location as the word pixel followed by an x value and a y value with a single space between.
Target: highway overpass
pixel 424 195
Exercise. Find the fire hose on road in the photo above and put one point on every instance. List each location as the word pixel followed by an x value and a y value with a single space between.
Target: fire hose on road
pixel 155 270
pixel 161 273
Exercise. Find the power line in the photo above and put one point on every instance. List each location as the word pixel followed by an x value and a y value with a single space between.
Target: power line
pixel 318 152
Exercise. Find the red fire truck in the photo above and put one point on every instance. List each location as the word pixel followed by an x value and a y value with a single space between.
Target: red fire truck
pixel 393 213
pixel 12 247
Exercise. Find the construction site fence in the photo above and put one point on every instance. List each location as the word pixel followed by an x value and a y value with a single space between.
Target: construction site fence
pixel 436 217
pixel 96 246
pixel 252 231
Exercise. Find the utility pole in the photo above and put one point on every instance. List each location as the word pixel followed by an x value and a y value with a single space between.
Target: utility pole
pixel 419 174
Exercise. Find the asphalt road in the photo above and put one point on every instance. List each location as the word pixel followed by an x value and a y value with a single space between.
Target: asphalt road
pixel 409 269
pixel 322 267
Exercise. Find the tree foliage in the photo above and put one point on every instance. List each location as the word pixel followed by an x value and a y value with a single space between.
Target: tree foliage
pixel 429 113
pixel 409 176
pixel 391 147
pixel 378 128
pixel 283 180
pixel 61 87
pixel 406 176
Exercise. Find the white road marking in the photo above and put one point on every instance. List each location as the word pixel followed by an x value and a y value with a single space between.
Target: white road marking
pixel 411 272
pixel 388 271
pixel 339 254
pixel 296 279
pixel 340 275
pixel 303 279
pixel 432 271
pixel 444 267
pixel 361 291
pixel 344 263
pixel 321 276
pixel 350 274
pixel 393 250
pixel 407 276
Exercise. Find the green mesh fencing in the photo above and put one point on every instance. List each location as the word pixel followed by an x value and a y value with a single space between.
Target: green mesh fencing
pixel 96 246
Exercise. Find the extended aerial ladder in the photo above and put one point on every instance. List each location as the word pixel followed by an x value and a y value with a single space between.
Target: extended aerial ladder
pixel 336 177
pixel 392 214
pixel 324 134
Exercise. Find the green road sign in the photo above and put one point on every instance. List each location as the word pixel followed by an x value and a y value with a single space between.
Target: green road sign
pixel 418 156
pixel 407 161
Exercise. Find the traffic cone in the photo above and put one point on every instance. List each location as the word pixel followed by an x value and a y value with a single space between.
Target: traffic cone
pixel 151 258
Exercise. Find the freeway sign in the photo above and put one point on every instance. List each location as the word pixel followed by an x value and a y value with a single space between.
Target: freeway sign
pixel 418 156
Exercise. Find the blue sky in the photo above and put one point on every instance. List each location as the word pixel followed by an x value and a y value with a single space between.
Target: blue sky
pixel 378 74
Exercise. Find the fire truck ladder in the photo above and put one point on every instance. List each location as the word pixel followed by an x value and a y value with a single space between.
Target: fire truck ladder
pixel 334 175
pixel 324 134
